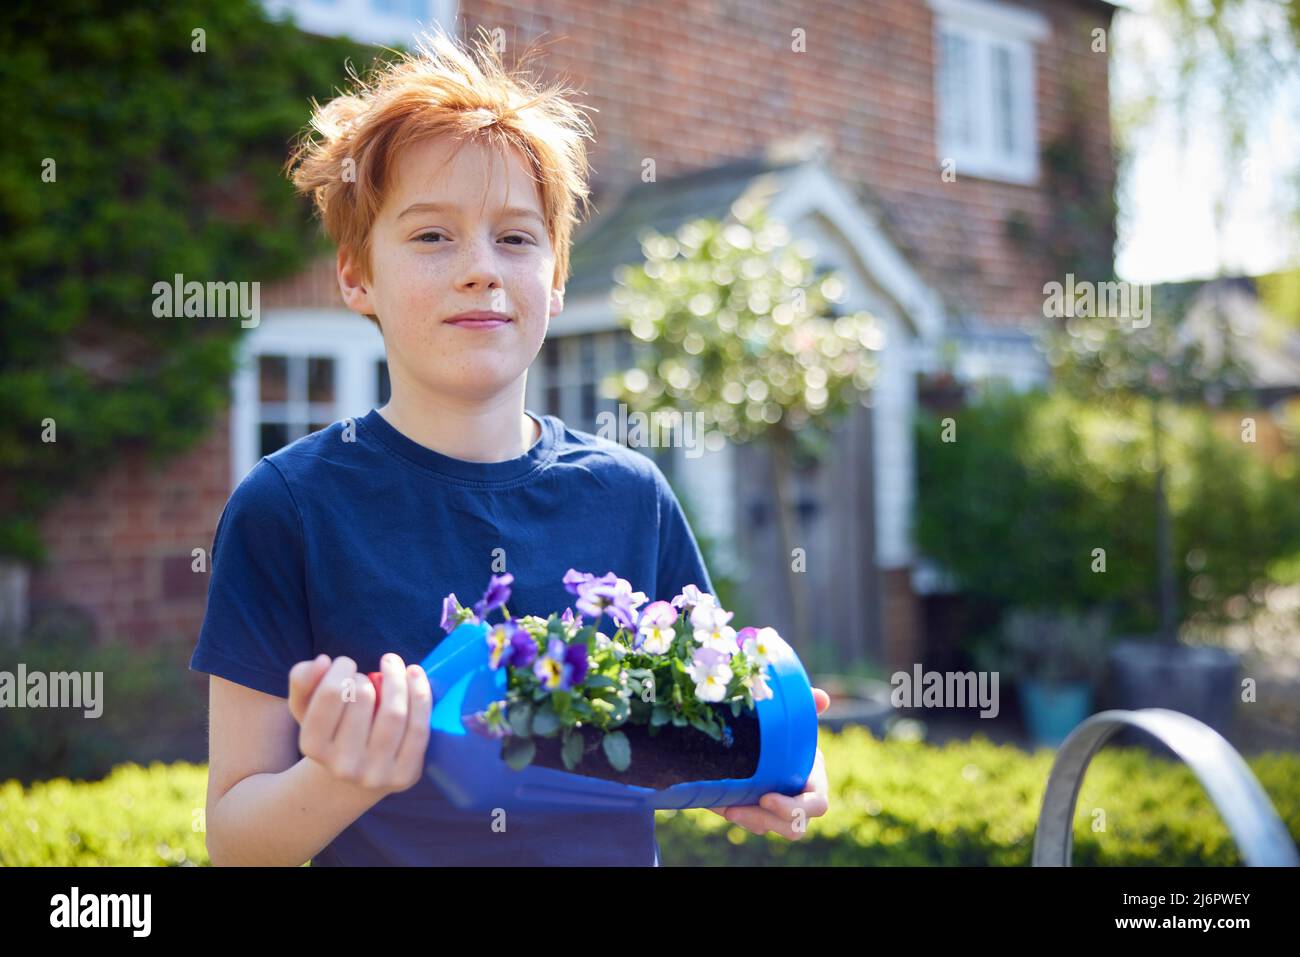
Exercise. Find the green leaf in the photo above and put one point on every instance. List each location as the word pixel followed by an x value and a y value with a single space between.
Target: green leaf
pixel 735 709
pixel 661 714
pixel 546 722
pixel 600 681
pixel 518 752
pixel 618 750
pixel 521 717
pixel 574 746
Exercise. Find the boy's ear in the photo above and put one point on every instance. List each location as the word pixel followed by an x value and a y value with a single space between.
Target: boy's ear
pixel 356 296
pixel 557 301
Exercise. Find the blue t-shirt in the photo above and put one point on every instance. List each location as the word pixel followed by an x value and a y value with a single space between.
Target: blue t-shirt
pixel 346 541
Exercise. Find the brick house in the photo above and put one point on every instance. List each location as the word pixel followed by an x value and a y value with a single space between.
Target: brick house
pixel 901 136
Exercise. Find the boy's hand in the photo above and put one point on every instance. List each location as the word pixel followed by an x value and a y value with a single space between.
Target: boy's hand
pixel 780 813
pixel 379 748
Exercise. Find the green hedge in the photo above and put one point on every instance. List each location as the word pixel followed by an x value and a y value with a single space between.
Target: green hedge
pixel 893 803
pixel 1035 481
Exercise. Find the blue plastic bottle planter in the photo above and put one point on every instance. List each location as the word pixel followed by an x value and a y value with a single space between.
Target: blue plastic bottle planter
pixel 469 769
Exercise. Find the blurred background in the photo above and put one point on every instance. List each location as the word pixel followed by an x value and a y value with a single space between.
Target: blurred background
pixel 975 325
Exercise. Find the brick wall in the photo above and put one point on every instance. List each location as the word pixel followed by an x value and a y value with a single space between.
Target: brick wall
pixel 120 548
pixel 698 82
pixel 689 85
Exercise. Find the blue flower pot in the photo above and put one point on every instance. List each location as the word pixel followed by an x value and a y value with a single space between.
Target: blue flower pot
pixel 1053 710
pixel 468 767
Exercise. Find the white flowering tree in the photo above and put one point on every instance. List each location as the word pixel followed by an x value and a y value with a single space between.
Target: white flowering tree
pixel 741 328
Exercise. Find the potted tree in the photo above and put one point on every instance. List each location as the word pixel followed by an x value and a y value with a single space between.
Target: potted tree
pixel 740 324
pixel 1055 659
pixel 1130 366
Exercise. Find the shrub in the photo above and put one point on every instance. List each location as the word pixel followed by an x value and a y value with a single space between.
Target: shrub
pixel 1036 481
pixel 892 803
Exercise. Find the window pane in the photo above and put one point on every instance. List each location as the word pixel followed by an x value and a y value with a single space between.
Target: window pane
pixel 272 378
pixel 383 387
pixel 274 435
pixel 955 88
pixel 320 379
pixel 1003 78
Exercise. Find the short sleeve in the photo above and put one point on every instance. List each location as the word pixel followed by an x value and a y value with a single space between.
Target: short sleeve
pixel 680 561
pixel 257 625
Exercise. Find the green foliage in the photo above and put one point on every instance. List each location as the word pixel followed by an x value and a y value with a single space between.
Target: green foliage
pixel 137 816
pixel 903 803
pixel 151 708
pixel 622 686
pixel 893 803
pixel 167 161
pixel 742 328
pixel 1036 481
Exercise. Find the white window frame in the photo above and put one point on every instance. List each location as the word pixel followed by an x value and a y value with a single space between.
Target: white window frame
pixel 353 343
pixel 363 20
pixel 989 27
pixel 572 377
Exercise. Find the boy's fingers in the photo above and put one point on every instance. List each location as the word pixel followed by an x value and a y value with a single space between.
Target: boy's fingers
pixel 410 756
pixel 390 719
pixel 303 679
pixel 325 709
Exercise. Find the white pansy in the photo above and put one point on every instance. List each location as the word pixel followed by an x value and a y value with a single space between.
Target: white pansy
pixel 758 687
pixel 721 638
pixel 656 640
pixel 710 682
pixel 762 646
pixel 707 613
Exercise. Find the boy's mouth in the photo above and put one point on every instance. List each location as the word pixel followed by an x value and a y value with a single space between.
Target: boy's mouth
pixel 479 320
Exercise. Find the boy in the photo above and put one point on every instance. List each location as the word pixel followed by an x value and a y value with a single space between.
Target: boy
pixel 450 189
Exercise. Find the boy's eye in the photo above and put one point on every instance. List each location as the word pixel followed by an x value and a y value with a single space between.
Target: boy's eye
pixel 427 237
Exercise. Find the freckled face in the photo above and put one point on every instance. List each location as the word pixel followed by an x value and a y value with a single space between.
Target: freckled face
pixel 459 234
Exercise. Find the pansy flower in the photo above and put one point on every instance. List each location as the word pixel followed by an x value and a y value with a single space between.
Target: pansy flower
pixel 507 640
pixel 655 633
pixel 712 630
pixel 711 674
pixel 562 666
pixel 454 615
pixel 497 594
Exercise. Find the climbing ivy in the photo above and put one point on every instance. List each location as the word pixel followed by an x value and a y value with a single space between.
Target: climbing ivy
pixel 140 141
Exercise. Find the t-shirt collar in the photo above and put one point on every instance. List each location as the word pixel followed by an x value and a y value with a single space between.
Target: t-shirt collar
pixel 480 473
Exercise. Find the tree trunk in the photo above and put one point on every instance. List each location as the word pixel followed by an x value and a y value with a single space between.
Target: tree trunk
pixel 1164 547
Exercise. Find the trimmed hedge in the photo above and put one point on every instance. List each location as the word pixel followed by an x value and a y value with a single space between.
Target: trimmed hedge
pixel 892 803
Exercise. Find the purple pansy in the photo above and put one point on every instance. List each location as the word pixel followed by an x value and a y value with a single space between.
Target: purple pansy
pixel 451 609
pixel 510 644
pixel 609 594
pixel 562 666
pixel 497 594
